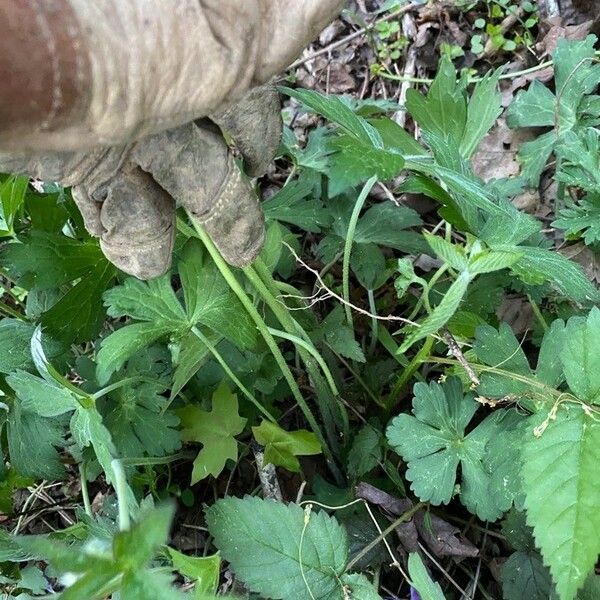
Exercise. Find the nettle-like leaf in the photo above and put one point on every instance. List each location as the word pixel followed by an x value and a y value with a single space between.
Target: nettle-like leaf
pixel 561 453
pixel 580 356
pixel 215 430
pixel 366 452
pixel 282 447
pixel 283 552
pixel 434 442
pixel 208 302
pixel 336 332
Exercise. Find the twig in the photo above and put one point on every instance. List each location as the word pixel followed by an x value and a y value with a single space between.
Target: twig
pixel 266 473
pixel 353 36
pixel 460 357
pixel 439 566
pixel 331 294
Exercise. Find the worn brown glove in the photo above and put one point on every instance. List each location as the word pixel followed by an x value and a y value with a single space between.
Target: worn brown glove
pixel 126 70
pixel 126 193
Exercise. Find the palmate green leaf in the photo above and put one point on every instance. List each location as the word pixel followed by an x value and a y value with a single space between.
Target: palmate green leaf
pixel 191 356
pixel 121 345
pixel 369 265
pixel 282 447
pixel 45 260
pixel 279 550
pixel 484 107
pixel 578 155
pixel 534 155
pixel 560 479
pixel 434 442
pixel 208 301
pixel 295 204
pixel 153 301
pixel 451 254
pixel 44 398
pixel 340 336
pixel 502 350
pixel 580 356
pixel 32 443
pixel 576 75
pixel 215 430
pixel 351 163
pixel 15 338
pixel 366 452
pixel 524 575
pixel 421 580
pixel 534 107
pixel 441 313
pixel 314 153
pixel 561 273
pixel 443 111
pixel 79 315
pixel 383 224
pixel 493 260
pixel 581 219
pixel 139 425
pixel 335 110
pixel 396 137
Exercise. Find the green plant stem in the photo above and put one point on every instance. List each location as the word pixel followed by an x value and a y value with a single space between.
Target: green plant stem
pixel 374 322
pixel 124 382
pixel 407 516
pixel 360 202
pixel 264 332
pixel 421 356
pixel 120 483
pixel 11 312
pixel 84 490
pixel 232 375
pixel 424 299
pixel 312 350
pixel 260 276
pixel 538 313
pixel 358 378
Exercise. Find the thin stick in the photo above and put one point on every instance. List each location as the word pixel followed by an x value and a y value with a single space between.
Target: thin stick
pixel 354 35
pixel 332 294
pixel 360 202
pixel 460 357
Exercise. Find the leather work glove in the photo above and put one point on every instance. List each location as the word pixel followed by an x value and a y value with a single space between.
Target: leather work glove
pixel 140 91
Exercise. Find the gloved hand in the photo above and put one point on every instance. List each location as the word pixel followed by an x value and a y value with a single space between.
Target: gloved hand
pixel 126 193
pixel 124 69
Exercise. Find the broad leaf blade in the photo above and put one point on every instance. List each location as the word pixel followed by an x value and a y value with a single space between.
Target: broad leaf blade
pixel 275 553
pixel 560 478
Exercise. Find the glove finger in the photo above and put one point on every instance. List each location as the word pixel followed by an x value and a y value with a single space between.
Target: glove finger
pixel 194 165
pixel 286 29
pixel 254 123
pixel 138 224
